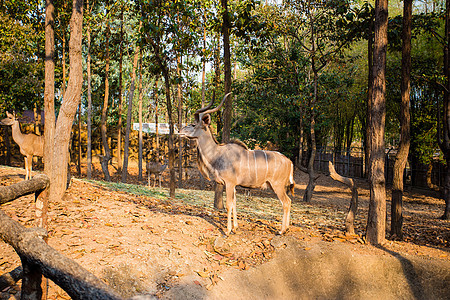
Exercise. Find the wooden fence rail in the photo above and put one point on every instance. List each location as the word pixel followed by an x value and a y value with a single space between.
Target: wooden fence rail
pixel 38 258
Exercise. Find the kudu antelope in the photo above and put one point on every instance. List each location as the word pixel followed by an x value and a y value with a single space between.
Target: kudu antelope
pixel 155 168
pixel 234 164
pixel 30 144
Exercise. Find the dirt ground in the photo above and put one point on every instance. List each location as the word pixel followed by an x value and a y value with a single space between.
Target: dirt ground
pixel 140 242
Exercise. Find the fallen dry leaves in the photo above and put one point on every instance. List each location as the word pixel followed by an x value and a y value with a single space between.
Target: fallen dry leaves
pixel 102 225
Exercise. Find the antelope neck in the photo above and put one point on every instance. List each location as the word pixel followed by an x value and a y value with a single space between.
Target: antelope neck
pixel 16 133
pixel 207 145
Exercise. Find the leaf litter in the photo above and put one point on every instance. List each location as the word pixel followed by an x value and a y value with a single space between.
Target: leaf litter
pixel 103 224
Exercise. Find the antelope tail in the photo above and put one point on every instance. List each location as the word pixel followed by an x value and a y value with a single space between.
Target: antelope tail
pixel 294 186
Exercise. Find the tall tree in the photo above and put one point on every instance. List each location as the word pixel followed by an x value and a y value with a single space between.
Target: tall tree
pixel 322 30
pixel 103 127
pixel 168 38
pixel 141 141
pixel 130 105
pixel 403 149
pixel 120 104
pixel 89 99
pixel 58 145
pixel 377 205
pixel 49 91
pixel 180 120
pixel 228 108
pixel 444 141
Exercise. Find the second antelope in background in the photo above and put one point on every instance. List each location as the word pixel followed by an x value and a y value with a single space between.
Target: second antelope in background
pixel 234 164
pixel 30 144
pixel 155 168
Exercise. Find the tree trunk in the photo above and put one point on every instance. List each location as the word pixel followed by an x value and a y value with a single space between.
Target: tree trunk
pixel 119 122
pixel 58 145
pixel 369 99
pixel 49 92
pixel 106 151
pixel 204 60
pixel 130 105
pixel 156 119
pixel 377 205
pixel 49 109
pixel 172 182
pixel 218 188
pixel 311 174
pixel 140 91
pixel 403 149
pixel 89 99
pixel 79 141
pixel 444 141
pixel 227 111
pixel 353 208
pixel 180 115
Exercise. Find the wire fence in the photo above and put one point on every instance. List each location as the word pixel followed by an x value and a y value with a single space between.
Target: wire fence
pixel 352 164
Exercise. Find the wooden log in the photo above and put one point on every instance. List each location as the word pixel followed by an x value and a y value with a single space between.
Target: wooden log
pixel 352 210
pixel 10 279
pixel 23 188
pixel 70 276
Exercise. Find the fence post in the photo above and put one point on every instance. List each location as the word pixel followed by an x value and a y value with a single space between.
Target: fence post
pixel 31 281
pixel 41 213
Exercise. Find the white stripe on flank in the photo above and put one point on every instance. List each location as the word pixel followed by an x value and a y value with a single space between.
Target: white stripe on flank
pixel 240 164
pixel 248 162
pixel 275 164
pixel 256 169
pixel 267 164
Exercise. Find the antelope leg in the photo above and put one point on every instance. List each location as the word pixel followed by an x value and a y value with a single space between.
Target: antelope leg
pixel 286 202
pixel 230 190
pixel 235 223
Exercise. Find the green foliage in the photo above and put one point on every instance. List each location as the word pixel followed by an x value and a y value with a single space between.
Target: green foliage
pixel 20 69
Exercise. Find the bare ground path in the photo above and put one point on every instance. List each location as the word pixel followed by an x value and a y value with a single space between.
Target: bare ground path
pixel 141 242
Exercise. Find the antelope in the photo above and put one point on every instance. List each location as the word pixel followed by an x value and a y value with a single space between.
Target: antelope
pixel 30 144
pixel 155 168
pixel 234 164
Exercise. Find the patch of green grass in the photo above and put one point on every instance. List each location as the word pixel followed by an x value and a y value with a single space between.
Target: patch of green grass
pixel 188 196
pixel 138 190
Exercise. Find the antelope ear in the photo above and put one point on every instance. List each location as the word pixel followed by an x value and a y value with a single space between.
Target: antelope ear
pixel 206 119
pixel 9 115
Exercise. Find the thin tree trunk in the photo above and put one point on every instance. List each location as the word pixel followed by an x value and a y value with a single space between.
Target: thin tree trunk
pixel 79 141
pixel 180 115
pixel 156 119
pixel 227 111
pixel 120 106
pixel 49 108
pixel 89 98
pixel 140 91
pixel 300 142
pixel 403 149
pixel 218 188
pixel 204 60
pixel 444 142
pixel 130 105
pixel 377 205
pixel 106 154
pixel 311 174
pixel 369 99
pixel 49 92
pixel 353 208
pixel 170 140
